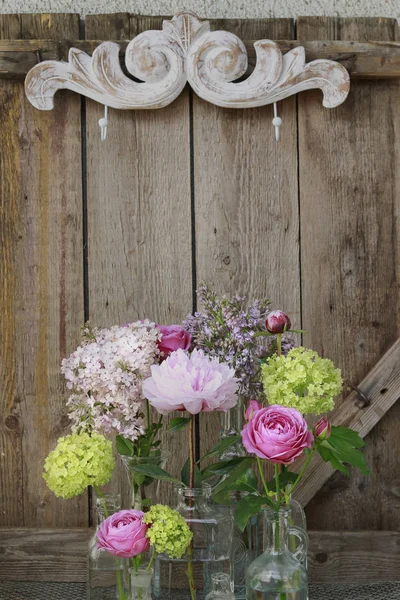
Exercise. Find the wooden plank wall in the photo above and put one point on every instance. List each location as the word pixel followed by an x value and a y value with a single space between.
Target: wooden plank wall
pixel 124 229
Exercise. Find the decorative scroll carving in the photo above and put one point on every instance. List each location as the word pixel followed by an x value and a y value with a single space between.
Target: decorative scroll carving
pixel 185 50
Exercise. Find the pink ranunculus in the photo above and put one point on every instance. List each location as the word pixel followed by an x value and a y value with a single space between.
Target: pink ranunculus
pixel 277 322
pixel 194 382
pixel 277 433
pixel 124 534
pixel 173 338
pixel 322 429
pixel 252 407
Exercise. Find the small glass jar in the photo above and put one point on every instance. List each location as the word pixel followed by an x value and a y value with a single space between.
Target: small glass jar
pixel 209 552
pixel 145 490
pixel 107 574
pixel 279 573
pixel 141 583
pixel 221 587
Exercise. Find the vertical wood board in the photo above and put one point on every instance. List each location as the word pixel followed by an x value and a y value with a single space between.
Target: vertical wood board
pixel 349 208
pixel 43 290
pixel 139 221
pixel 246 207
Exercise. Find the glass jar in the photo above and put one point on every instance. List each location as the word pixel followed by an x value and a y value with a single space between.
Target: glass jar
pixel 145 490
pixel 221 587
pixel 279 573
pixel 107 574
pixel 210 550
pixel 141 583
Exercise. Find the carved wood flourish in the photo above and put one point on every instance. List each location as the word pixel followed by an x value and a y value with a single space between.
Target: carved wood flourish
pixel 185 50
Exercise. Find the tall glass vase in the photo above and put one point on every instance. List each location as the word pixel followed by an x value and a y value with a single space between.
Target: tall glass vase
pixel 279 573
pixel 144 490
pixel 107 574
pixel 210 551
pixel 232 424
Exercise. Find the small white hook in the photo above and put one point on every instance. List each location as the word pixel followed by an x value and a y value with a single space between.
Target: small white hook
pixel 276 122
pixel 103 122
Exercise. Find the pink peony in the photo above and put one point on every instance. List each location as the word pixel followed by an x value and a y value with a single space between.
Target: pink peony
pixel 192 382
pixel 322 429
pixel 277 433
pixel 277 322
pixel 253 406
pixel 173 338
pixel 124 534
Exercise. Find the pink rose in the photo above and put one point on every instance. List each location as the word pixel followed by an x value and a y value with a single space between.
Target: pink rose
pixel 277 322
pixel 173 337
pixel 253 406
pixel 322 429
pixel 277 433
pixel 124 534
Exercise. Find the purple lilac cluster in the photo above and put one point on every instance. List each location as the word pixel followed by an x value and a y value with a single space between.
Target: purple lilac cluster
pixel 227 329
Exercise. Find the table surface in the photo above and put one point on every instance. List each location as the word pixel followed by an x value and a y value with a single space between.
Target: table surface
pixel 11 590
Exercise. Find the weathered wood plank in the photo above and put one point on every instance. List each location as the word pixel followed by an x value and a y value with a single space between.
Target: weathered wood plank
pixel 382 387
pixel 11 468
pixel 334 557
pixel 363 60
pixel 245 189
pixel 139 222
pixel 46 285
pixel 349 205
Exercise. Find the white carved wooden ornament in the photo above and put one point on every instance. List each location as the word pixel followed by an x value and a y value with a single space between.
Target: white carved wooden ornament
pixel 185 50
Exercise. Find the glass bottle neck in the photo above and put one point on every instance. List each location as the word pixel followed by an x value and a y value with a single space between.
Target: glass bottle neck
pixel 193 499
pixel 221 583
pixel 277 525
pixel 106 505
pixel 233 419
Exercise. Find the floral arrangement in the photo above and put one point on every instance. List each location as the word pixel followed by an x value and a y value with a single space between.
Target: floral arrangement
pixel 120 375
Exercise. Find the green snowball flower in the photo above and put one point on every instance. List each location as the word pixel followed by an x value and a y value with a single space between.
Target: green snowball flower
pixel 79 460
pixel 168 531
pixel 301 380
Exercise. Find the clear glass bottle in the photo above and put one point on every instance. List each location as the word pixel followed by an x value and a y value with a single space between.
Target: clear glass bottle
pixel 279 573
pixel 145 490
pixel 211 547
pixel 221 587
pixel 232 424
pixel 141 583
pixel 107 574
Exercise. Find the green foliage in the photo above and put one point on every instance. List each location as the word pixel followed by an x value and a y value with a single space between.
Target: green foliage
pixel 247 507
pixel 185 475
pixel 224 467
pixel 178 423
pixel 342 448
pixel 153 471
pixel 222 445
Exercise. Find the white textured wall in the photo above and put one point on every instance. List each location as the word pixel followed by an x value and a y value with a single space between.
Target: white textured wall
pixel 214 8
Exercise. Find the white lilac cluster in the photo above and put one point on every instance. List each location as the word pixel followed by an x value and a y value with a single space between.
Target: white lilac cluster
pixel 105 375
pixel 227 329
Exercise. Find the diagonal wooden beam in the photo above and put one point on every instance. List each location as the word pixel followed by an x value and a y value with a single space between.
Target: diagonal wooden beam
pixel 382 387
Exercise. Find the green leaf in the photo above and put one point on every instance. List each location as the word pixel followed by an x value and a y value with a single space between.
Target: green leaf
pixel 124 446
pixel 328 456
pixel 285 478
pixel 221 446
pixel 347 435
pixel 348 454
pixel 155 472
pixel 229 483
pixel 146 502
pixel 224 467
pixel 185 474
pixel 178 423
pixel 247 507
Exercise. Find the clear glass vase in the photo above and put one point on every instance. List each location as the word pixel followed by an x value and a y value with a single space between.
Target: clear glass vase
pixel 279 573
pixel 210 550
pixel 232 424
pixel 221 587
pixel 141 580
pixel 107 574
pixel 145 490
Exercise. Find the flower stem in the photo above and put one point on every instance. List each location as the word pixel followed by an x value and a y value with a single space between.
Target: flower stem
pixel 148 414
pixel 279 344
pixel 191 453
pixel 259 463
pixel 278 491
pixel 153 555
pixel 304 467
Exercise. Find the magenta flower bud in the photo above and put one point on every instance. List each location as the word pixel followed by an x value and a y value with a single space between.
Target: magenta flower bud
pixel 277 322
pixel 322 429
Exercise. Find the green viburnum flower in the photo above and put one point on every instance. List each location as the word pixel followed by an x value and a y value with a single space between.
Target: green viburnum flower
pixel 79 460
pixel 168 531
pixel 301 380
